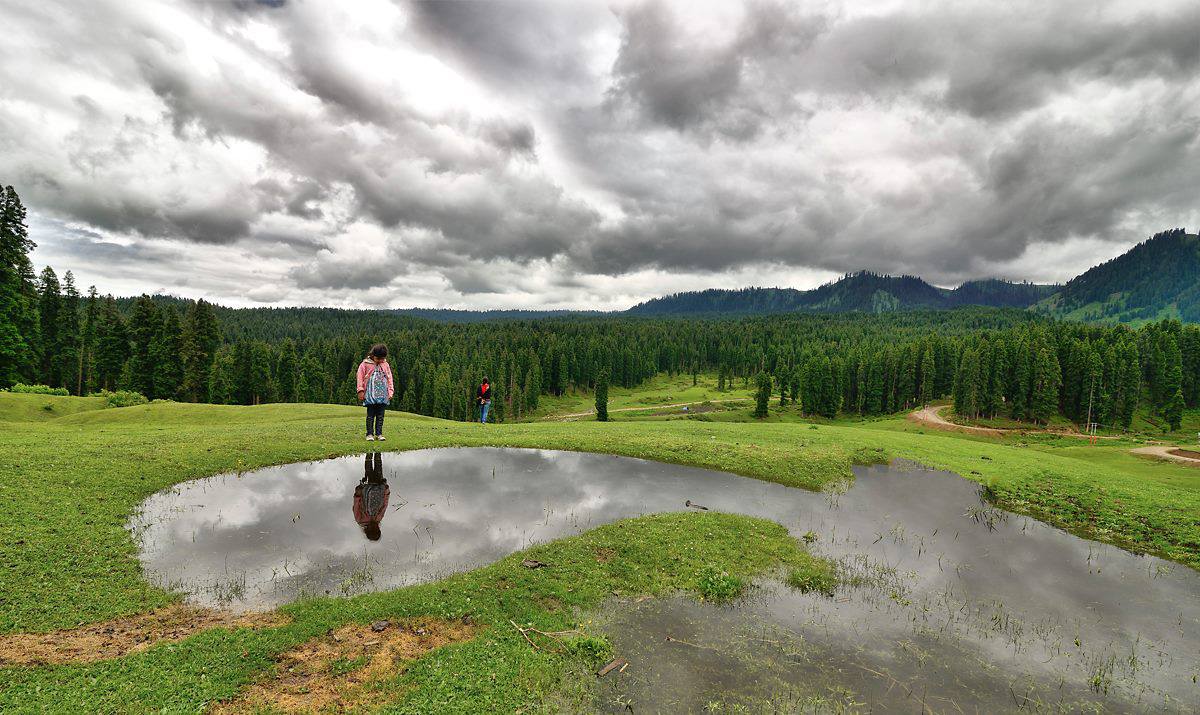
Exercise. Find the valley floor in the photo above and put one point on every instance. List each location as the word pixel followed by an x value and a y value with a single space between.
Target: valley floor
pixel 69 483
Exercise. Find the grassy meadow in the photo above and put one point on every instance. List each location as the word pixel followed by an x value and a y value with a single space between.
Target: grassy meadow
pixel 72 471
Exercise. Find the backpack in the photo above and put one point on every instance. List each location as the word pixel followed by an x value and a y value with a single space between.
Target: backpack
pixel 376 392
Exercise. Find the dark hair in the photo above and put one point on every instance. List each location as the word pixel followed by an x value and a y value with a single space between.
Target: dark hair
pixel 485 378
pixel 371 529
pixel 379 350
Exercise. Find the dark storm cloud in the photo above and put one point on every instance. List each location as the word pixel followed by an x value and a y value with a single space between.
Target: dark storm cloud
pixel 945 140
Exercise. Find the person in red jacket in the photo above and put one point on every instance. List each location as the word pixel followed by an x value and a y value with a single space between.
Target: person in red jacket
pixel 484 397
pixel 371 496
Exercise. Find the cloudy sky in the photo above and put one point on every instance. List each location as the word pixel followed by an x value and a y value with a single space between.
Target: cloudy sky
pixel 568 154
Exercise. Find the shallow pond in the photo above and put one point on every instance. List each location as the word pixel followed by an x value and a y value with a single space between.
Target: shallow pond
pixel 956 604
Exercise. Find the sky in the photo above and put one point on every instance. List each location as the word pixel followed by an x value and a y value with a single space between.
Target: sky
pixel 590 155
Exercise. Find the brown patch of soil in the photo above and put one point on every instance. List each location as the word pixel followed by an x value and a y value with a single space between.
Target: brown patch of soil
pixel 550 603
pixel 113 639
pixel 604 554
pixel 1186 453
pixel 336 671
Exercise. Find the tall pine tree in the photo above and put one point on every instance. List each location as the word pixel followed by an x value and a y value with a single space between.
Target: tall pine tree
pixel 19 329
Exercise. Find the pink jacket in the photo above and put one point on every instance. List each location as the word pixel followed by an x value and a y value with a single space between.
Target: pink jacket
pixel 364 371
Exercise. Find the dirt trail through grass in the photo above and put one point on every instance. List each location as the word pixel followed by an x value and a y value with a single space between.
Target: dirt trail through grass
pixel 120 637
pixel 932 416
pixel 1170 453
pixel 344 669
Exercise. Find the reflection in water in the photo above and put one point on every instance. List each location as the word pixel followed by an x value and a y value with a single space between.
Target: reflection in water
pixel 954 599
pixel 371 496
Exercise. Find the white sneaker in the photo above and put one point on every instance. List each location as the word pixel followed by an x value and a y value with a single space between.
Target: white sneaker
pixel 370 438
pixel 381 438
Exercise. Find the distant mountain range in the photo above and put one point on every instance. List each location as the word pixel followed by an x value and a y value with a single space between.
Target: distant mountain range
pixel 1157 278
pixel 855 292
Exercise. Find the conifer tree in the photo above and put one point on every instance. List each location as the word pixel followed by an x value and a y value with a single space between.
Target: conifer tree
pixel 70 338
pixel 242 375
pixel 87 342
pixel 198 347
pixel 144 326
pixel 928 377
pixel 560 376
pixel 1173 412
pixel 19 328
pixel 49 303
pixel 309 389
pixel 112 345
pixel 602 395
pixel 165 356
pixel 221 378
pixel 762 396
pixel 533 385
pixel 287 371
pixel 1047 378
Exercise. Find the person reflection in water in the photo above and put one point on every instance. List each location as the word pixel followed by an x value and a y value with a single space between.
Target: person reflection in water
pixel 371 496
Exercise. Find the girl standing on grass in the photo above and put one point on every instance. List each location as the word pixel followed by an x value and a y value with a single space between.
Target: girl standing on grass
pixel 375 388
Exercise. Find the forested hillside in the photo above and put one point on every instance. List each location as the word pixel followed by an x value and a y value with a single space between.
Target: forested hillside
pixel 991 361
pixel 862 292
pixel 1159 277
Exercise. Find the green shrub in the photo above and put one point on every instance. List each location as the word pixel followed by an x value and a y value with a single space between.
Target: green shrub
pixel 38 389
pixel 122 398
pixel 717 585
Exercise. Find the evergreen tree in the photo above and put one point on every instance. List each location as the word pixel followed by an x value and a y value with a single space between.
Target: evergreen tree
pixel 19 323
pixel 1171 371
pixel 87 342
pixel 144 326
pixel 70 337
pixel 928 377
pixel 165 356
pixel 287 372
pixel 242 375
pixel 1174 410
pixel 112 346
pixel 1047 378
pixel 602 395
pixel 49 303
pixel 198 348
pixel 763 396
pixel 308 387
pixel 560 375
pixel 533 386
pixel 221 378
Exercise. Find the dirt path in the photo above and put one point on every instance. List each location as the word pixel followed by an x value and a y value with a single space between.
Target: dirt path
pixel 932 417
pixel 589 413
pixel 1167 451
pixel 119 637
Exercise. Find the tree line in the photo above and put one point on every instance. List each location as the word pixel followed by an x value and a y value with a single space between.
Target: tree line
pixel 991 362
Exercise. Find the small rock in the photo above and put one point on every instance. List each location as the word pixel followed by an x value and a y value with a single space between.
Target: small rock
pixel 534 564
pixel 379 626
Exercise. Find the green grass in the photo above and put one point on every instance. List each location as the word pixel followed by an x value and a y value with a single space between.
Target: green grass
pixel 21 407
pixel 496 671
pixel 656 392
pixel 69 484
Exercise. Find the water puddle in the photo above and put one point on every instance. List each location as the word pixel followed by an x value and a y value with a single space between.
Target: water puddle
pixel 956 604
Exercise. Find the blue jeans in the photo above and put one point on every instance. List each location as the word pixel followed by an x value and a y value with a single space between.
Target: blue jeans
pixel 483 410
